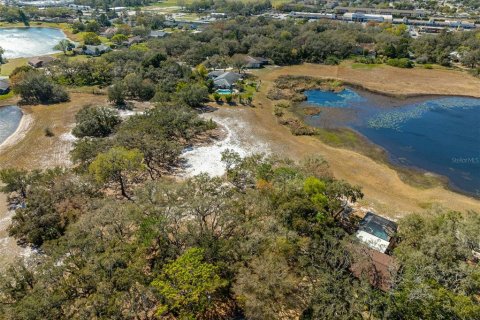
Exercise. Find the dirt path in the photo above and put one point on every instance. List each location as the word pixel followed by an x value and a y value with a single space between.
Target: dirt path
pixel 384 190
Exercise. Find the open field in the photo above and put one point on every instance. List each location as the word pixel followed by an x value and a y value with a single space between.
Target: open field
pixel 386 79
pixel 36 150
pixel 7 68
pixel 384 189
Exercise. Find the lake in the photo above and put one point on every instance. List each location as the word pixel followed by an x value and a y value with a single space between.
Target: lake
pixel 29 42
pixel 9 120
pixel 436 134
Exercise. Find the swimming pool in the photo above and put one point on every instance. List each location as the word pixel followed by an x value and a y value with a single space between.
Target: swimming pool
pixel 224 91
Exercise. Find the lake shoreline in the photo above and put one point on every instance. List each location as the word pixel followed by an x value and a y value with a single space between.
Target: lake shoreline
pixel 410 173
pixel 13 32
pixel 384 187
pixel 25 124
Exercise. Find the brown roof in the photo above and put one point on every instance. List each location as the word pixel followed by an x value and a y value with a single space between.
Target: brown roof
pixel 40 61
pixel 376 266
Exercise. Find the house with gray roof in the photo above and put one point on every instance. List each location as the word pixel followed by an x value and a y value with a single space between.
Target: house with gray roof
pixel 255 62
pixel 4 86
pixel 40 62
pixel 93 50
pixel 224 80
pixel 158 34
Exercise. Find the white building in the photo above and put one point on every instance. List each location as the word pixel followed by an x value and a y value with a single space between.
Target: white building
pixel 366 17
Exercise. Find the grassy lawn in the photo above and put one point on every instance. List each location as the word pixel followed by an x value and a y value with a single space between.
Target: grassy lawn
pixel 250 90
pixel 169 3
pixel 80 36
pixel 6 69
pixel 6 96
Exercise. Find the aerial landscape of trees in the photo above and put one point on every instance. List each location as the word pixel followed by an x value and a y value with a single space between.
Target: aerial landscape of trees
pixel 264 241
pixel 122 234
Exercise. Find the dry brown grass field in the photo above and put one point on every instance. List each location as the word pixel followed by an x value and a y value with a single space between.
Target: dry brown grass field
pixel 384 190
pixel 35 149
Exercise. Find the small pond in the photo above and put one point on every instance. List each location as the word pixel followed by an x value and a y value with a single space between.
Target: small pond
pixel 436 134
pixel 9 120
pixel 29 42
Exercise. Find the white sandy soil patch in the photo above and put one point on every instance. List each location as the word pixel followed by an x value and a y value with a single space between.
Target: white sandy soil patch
pixel 208 159
pixel 9 250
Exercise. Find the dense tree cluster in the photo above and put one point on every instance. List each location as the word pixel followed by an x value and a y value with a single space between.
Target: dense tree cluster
pixel 36 87
pixel 262 242
pixel 160 70
pixel 231 7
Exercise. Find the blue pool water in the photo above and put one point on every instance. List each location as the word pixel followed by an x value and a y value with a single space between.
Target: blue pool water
pixel 29 42
pixel 437 134
pixel 9 120
pixel 224 91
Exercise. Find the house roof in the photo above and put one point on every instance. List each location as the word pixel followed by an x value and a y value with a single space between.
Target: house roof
pixel 135 39
pixel 158 34
pixel 100 48
pixel 251 59
pixel 227 78
pixel 215 73
pixel 376 266
pixel 110 30
pixel 4 84
pixel 41 60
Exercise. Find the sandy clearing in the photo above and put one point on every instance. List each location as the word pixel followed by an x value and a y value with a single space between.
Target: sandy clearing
pixel 208 159
pixel 9 250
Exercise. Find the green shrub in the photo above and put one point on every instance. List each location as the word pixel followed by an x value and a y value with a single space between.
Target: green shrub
pixel 48 132
pixel 217 96
pixel 277 111
pixel 332 60
pixel 400 63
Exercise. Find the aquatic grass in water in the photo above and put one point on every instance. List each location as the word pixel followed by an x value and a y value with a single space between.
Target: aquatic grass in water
pixel 396 118
pixel 439 134
pixel 345 98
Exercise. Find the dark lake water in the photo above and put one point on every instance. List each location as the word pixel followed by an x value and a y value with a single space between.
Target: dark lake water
pixel 9 120
pixel 436 134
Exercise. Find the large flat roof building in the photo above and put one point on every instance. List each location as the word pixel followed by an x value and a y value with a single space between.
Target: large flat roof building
pixel 388 11
pixel 366 17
